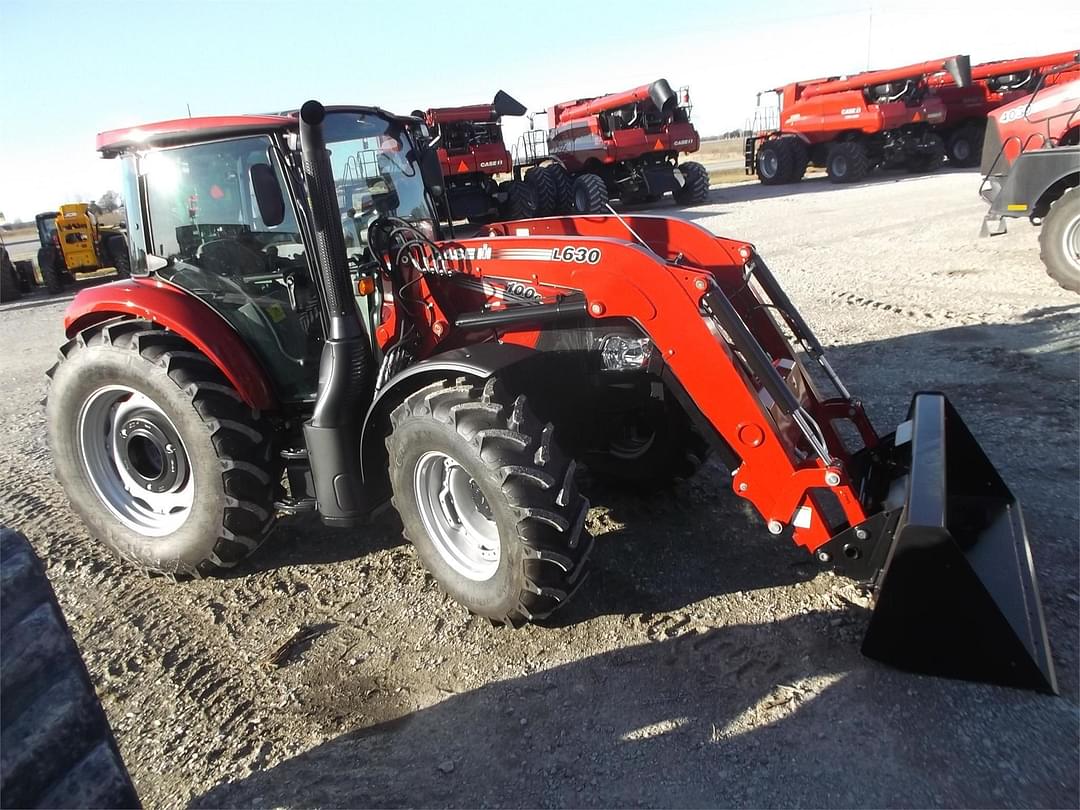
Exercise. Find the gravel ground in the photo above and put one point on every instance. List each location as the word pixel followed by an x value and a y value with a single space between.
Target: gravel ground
pixel 708 663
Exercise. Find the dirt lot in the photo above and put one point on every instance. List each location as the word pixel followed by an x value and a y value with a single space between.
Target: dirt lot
pixel 708 663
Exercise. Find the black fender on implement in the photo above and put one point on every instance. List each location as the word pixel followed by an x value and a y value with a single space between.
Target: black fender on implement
pixel 478 363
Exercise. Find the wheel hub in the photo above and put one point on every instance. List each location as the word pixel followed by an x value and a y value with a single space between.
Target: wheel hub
pixel 769 164
pixel 457 516
pixel 147 450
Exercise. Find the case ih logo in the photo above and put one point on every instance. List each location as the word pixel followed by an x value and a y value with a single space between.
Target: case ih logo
pixel 850 111
pixel 683 142
pixel 487 164
pixel 460 254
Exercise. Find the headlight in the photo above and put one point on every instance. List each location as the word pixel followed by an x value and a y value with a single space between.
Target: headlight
pixel 622 353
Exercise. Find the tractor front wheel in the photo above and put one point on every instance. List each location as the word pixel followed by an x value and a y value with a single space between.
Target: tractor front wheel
pixel 488 500
pixel 590 194
pixel 695 187
pixel 847 162
pixel 1059 240
pixel 157 452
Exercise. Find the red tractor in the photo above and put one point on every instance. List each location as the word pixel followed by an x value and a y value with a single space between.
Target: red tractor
pixel 472 153
pixel 1031 168
pixel 624 145
pixel 851 125
pixel 992 84
pixel 268 357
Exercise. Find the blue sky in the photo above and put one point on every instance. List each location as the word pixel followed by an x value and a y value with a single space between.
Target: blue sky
pixel 70 70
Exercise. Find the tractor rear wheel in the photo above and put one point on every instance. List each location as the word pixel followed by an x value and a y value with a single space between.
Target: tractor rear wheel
pixel 544 186
pixel 964 146
pixel 116 249
pixel 488 500
pixel 695 188
pixel 520 202
pixel 53 273
pixel 847 162
pixel 157 452
pixel 1059 240
pixel 590 194
pixel 929 160
pixel 56 747
pixel 776 161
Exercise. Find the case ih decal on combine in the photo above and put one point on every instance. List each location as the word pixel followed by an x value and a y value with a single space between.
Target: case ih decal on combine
pixel 619 146
pixel 850 125
pixel 1031 169
pixel 269 358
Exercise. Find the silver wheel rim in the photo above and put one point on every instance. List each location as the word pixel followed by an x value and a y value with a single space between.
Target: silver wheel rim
pixel 839 166
pixel 1070 242
pixel 135 460
pixel 961 150
pixel 456 516
pixel 770 163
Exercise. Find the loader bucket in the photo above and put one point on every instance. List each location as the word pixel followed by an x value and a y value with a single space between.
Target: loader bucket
pixel 957 596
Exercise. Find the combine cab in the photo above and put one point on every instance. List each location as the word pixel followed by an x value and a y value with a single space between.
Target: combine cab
pixel 73 242
pixel 851 125
pixel 265 363
pixel 472 153
pixel 1031 169
pixel 992 85
pixel 620 146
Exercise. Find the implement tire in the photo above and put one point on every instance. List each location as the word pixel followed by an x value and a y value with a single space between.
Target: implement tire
pixel 488 500
pixel 157 452
pixel 1059 240
pixel 847 162
pixel 590 194
pixel 56 747
pixel 695 189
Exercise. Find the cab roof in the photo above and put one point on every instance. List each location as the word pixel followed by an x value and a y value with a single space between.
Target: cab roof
pixel 180 131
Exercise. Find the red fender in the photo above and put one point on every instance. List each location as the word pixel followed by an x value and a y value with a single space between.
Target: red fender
pixel 183 313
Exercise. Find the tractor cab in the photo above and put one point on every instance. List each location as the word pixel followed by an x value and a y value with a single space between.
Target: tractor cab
pixel 221 220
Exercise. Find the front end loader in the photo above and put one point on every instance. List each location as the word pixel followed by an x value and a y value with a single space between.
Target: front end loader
pixel 268 358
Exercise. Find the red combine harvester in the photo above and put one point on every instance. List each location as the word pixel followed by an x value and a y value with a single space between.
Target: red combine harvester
pixel 624 145
pixel 850 125
pixel 472 153
pixel 992 84
pixel 268 358
pixel 1031 168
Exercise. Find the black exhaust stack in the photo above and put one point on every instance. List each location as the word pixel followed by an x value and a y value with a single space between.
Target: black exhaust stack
pixel 332 434
pixel 663 96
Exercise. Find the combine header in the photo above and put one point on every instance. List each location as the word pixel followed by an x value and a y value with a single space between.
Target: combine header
pixel 850 125
pixel 472 153
pixel 623 145
pixel 992 85
pixel 267 363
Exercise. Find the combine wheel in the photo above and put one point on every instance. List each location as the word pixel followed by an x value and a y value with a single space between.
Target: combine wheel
pixel 564 185
pixel 776 161
pixel 157 452
pixel 590 194
pixel 116 249
pixel 695 188
pixel 847 162
pixel 802 159
pixel 1059 240
pixel 931 159
pixel 964 146
pixel 520 202
pixel 56 748
pixel 544 185
pixel 52 270
pixel 488 500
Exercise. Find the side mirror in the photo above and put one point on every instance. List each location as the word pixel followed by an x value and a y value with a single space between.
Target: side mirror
pixel 431 171
pixel 267 194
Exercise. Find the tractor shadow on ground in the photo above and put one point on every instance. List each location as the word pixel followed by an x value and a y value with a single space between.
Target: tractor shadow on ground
pixel 736 715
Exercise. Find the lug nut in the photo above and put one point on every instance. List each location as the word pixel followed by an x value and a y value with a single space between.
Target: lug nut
pixel 861 534
pixel 700 284
pixel 824 556
pixel 775 527
pixel 832 479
